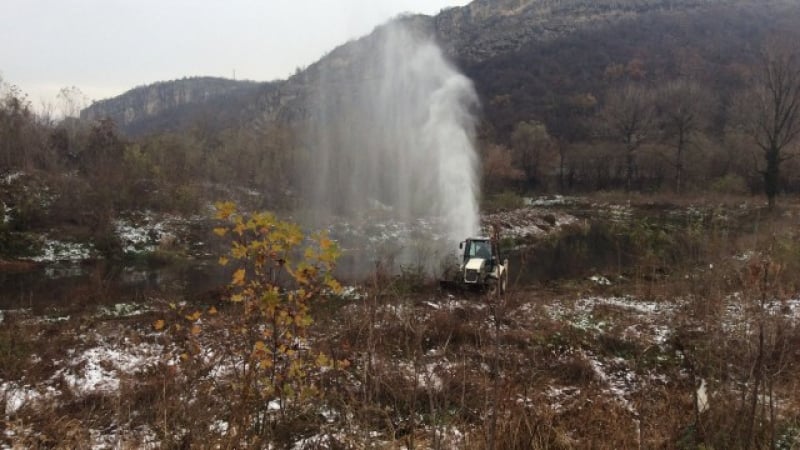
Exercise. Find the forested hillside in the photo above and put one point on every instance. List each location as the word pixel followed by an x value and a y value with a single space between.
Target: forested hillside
pixel 555 66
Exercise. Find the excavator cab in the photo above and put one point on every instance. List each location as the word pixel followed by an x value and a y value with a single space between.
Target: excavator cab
pixel 477 248
pixel 480 264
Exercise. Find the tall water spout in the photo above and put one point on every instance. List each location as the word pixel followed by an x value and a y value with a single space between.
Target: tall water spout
pixel 394 132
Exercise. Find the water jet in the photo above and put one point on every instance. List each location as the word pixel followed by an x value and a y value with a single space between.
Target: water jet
pixel 390 137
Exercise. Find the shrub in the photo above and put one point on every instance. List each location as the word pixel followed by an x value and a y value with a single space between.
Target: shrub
pixel 186 199
pixel 278 273
pixel 15 244
pixel 504 201
pixel 730 184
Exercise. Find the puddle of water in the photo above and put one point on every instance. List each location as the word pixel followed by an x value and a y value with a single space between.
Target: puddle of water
pixel 101 282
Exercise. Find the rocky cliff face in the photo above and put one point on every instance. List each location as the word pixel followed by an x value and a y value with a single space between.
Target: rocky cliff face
pixel 485 29
pixel 145 102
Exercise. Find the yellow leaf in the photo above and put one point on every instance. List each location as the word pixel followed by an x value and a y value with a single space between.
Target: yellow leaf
pixel 239 228
pixel 159 325
pixel 184 356
pixel 322 360
pixel 196 330
pixel 225 210
pixel 238 277
pixel 303 321
pixel 325 243
pixel 260 345
pixel 236 298
pixel 238 251
pixel 223 261
pixel 212 311
pixel 334 286
pixel 194 316
pixel 220 231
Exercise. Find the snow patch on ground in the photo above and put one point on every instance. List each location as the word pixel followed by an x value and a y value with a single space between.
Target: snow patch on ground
pixel 454 304
pixel 444 437
pixel 351 293
pixel 600 280
pixel 629 303
pixel 124 310
pixel 555 200
pixel 100 368
pixel 400 310
pixel 426 376
pixel 144 235
pixel 652 319
pixel 528 222
pixel 15 396
pixel 741 310
pixel 558 397
pixel 6 211
pixel 142 437
pixel 746 256
pixel 617 213
pixel 793 307
pixel 620 381
pixel 54 250
pixel 10 177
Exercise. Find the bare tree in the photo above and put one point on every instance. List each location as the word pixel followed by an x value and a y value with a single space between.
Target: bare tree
pixel 628 119
pixel 566 121
pixel 683 108
pixel 498 168
pixel 531 143
pixel 19 136
pixel 71 101
pixel 771 114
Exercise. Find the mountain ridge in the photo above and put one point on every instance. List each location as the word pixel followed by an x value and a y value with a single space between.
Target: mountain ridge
pixel 132 110
pixel 486 39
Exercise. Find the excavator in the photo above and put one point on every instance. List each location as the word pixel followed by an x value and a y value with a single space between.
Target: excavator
pixel 479 266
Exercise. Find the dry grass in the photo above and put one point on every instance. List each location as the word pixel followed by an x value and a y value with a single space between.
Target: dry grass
pixel 572 365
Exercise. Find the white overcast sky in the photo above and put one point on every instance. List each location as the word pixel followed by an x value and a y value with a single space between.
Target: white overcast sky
pixel 105 47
